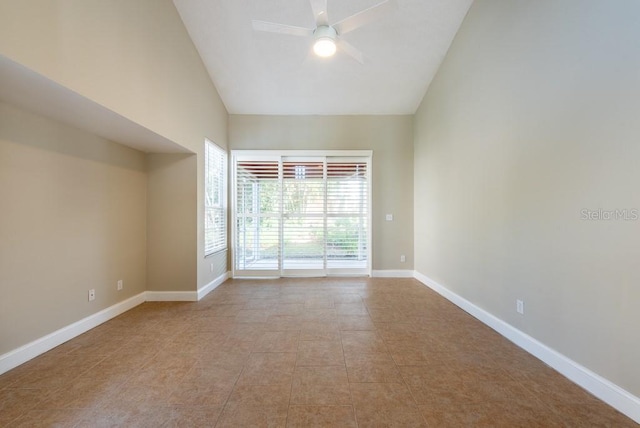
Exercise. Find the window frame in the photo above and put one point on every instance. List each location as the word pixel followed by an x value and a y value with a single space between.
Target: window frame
pixel 214 154
pixel 280 156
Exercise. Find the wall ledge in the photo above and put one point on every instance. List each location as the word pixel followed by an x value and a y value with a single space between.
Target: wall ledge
pixel 605 390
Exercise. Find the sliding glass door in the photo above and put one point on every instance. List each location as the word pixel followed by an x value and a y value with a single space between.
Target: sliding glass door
pixel 257 217
pixel 348 218
pixel 301 215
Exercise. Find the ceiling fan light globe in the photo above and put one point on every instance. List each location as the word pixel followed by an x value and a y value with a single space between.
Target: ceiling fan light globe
pixel 324 47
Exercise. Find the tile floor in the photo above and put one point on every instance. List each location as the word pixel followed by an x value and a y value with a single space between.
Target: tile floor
pixel 296 353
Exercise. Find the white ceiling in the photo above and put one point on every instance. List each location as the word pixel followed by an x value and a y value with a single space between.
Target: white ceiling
pixel 274 74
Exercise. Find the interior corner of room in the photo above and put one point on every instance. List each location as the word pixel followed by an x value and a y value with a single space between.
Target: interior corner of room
pixel 511 188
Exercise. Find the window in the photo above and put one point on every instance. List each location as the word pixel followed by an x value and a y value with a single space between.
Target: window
pixel 215 198
pixel 301 213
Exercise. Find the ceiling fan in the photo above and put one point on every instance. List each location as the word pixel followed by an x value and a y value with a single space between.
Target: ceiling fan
pixel 328 37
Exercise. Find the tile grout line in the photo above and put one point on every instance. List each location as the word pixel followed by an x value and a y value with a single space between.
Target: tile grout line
pixel 295 366
pixel 346 369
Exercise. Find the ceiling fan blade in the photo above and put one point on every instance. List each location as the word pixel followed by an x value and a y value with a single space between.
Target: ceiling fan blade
pixel 368 15
pixel 350 50
pixel 272 27
pixel 319 8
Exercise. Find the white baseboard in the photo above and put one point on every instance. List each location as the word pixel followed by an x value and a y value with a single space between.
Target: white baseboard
pixel 186 296
pixel 203 291
pixel 607 391
pixel 171 296
pixel 39 346
pixel 392 274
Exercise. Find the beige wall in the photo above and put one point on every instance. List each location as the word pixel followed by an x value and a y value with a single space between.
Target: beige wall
pixel 390 138
pixel 172 222
pixel 135 58
pixel 73 217
pixel 532 118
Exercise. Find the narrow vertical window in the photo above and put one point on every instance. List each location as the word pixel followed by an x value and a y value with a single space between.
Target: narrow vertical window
pixel 215 198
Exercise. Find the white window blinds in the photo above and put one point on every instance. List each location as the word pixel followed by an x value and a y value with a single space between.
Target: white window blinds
pixel 307 215
pixel 303 208
pixel 257 215
pixel 347 214
pixel 215 186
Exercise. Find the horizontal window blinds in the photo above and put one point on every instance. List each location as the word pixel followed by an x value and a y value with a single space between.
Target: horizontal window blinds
pixel 303 197
pixel 215 186
pixel 302 216
pixel 347 214
pixel 257 215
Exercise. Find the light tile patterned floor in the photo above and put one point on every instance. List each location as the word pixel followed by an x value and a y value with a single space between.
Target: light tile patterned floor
pixel 296 353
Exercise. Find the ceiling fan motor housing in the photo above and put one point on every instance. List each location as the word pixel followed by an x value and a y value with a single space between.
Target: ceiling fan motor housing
pixel 325 31
pixel 325 44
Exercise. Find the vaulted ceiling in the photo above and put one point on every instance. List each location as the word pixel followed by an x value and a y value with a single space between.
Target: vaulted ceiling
pixel 277 74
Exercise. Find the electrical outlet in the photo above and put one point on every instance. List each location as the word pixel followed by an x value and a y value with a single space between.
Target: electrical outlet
pixel 92 295
pixel 403 259
pixel 520 306
pixel 120 285
pixel 211 267
pixel 389 217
